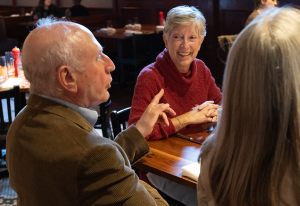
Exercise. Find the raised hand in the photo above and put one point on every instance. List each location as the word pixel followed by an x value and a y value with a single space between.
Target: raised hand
pixel 153 113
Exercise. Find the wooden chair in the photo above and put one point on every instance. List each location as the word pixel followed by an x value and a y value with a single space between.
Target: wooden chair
pixel 8 112
pixel 103 120
pixel 119 118
pixel 140 56
pixel 225 42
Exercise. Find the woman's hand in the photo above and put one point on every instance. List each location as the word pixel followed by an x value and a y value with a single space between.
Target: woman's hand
pixel 206 112
pixel 155 112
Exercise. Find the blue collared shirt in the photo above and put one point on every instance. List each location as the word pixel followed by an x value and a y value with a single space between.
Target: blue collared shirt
pixel 90 115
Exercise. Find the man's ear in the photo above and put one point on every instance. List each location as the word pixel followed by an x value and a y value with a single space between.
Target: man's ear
pixel 67 79
pixel 263 2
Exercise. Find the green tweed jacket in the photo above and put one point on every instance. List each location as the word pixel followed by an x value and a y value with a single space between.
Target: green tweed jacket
pixel 54 157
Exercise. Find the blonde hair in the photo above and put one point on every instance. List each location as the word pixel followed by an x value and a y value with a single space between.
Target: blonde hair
pixel 258 139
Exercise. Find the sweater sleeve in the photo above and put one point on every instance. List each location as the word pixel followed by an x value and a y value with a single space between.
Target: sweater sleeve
pixel 214 93
pixel 147 86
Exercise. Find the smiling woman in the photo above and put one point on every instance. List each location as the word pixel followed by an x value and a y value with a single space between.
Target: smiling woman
pixel 186 81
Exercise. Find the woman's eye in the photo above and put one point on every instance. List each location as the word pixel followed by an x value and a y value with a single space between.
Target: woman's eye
pixel 99 57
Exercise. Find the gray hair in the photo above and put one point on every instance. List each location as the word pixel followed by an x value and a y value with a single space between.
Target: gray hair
pixel 258 139
pixel 41 68
pixel 185 15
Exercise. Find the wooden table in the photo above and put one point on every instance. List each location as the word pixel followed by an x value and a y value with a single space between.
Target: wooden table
pixel 169 155
pixel 119 35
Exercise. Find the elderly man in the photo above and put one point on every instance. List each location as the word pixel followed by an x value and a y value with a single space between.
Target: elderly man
pixel 54 156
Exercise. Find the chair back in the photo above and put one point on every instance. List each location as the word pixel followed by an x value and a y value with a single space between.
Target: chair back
pixel 225 42
pixel 143 45
pixel 102 121
pixel 119 118
pixel 8 108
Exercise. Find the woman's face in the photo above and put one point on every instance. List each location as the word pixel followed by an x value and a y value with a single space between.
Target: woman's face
pixel 270 3
pixel 183 45
pixel 47 2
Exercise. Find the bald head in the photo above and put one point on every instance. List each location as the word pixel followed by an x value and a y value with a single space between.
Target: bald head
pixel 51 45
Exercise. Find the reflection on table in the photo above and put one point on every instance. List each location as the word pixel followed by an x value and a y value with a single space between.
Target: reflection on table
pixel 120 32
pixel 169 155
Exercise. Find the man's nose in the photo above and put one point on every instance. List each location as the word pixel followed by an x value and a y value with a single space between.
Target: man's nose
pixel 109 64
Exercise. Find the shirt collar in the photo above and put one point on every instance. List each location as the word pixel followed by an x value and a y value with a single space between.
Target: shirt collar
pixel 90 115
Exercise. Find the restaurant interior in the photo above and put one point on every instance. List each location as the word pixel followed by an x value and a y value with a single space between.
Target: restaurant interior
pixel 130 53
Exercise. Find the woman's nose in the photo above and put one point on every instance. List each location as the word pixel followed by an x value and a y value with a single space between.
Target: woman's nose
pixel 184 42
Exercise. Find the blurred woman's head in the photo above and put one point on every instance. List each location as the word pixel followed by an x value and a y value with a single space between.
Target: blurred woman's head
pixel 264 3
pixel 43 3
pixel 258 139
pixel 184 32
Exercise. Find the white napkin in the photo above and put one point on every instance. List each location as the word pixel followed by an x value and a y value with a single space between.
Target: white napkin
pixel 28 14
pixel 191 171
pixel 160 27
pixel 11 82
pixel 14 15
pixel 106 30
pixel 132 32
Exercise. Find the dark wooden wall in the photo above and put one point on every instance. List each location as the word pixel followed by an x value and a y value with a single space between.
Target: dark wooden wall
pixel 223 17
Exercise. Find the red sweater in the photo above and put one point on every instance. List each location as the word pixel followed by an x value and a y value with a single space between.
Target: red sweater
pixel 181 91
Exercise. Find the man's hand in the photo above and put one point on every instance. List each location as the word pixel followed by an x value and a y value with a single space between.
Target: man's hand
pixel 153 113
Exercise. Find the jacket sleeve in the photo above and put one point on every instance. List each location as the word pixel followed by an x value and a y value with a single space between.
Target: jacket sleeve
pixel 146 88
pixel 105 177
pixel 133 144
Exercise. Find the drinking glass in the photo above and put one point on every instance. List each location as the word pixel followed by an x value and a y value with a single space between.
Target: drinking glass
pixel 3 69
pixel 136 23
pixel 11 67
pixel 10 63
pixel 109 26
pixel 129 25
pixel 20 68
pixel 8 55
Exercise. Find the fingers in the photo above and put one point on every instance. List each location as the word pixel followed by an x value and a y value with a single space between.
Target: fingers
pixel 212 112
pixel 163 119
pixel 202 106
pixel 157 97
pixel 170 111
pixel 205 104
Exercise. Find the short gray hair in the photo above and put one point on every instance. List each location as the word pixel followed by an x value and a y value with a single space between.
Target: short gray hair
pixel 41 68
pixel 185 15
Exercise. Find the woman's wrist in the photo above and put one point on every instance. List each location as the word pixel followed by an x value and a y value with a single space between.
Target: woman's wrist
pixel 179 122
